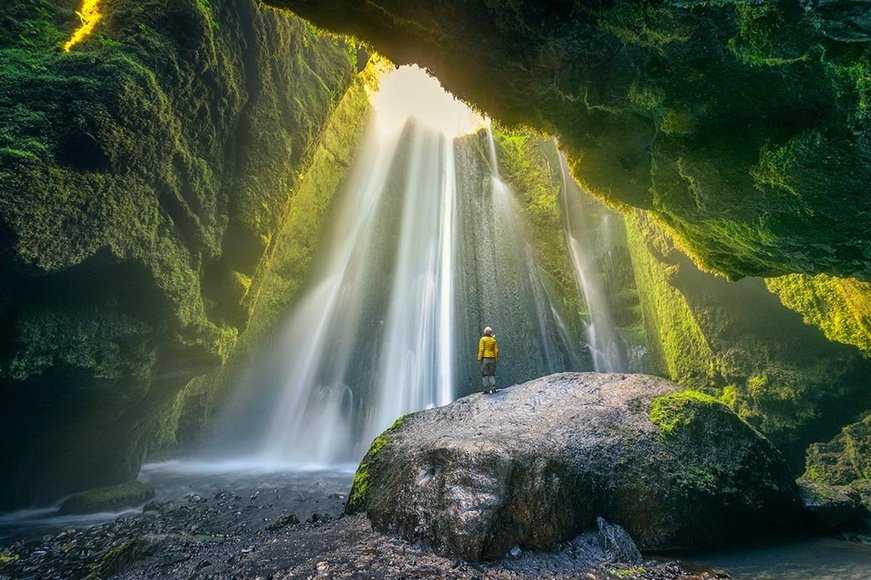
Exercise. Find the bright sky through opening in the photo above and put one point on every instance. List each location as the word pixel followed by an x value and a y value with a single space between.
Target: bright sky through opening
pixel 408 91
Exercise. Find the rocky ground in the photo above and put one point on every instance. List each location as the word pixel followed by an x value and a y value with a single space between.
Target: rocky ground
pixel 280 526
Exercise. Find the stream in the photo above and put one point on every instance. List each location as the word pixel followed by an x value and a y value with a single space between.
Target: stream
pixel 236 510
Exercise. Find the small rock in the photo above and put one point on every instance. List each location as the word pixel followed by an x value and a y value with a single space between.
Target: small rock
pixel 617 543
pixel 283 521
pixel 515 552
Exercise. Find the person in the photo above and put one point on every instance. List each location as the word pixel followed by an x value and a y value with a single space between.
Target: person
pixel 488 354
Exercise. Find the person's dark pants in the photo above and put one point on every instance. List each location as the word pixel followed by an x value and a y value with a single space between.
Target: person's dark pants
pixel 488 372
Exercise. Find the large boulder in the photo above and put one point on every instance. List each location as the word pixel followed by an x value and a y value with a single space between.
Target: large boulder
pixel 536 464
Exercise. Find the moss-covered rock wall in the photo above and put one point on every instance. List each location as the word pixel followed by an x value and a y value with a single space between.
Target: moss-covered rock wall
pixel 743 125
pixel 190 416
pixel 736 340
pixel 144 177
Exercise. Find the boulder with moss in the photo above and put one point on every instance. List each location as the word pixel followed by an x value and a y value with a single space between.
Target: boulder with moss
pixel 837 482
pixel 832 508
pixel 537 463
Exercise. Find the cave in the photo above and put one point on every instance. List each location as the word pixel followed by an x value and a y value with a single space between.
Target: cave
pixel 251 249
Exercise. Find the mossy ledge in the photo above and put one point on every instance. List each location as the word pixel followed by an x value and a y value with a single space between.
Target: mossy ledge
pixel 358 496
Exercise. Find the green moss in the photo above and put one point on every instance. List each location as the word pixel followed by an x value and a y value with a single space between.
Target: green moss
pixel 98 340
pixel 676 411
pixel 840 307
pixel 742 123
pixel 105 499
pixel 123 555
pixel 358 496
pixel 627 572
pixel 845 460
pixel 646 25
pixel 143 176
pixel 676 344
pixel 737 342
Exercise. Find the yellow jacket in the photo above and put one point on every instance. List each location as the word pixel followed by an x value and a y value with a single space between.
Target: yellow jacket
pixel 487 348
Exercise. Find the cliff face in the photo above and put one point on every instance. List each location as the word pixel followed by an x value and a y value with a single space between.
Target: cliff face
pixel 736 340
pixel 743 125
pixel 143 177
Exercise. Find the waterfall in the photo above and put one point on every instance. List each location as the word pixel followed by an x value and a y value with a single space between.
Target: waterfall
pixel 557 345
pixel 415 368
pixel 425 246
pixel 372 336
pixel 604 344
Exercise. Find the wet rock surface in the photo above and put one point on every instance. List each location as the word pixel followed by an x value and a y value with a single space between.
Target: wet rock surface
pixel 833 508
pixel 535 464
pixel 248 530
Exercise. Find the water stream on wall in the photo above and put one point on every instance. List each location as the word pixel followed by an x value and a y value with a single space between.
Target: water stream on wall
pixel 602 338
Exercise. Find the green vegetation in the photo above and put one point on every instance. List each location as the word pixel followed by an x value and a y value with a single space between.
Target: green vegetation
pixel 736 342
pixel 677 347
pixel 676 411
pixel 124 554
pixel 840 307
pixel 844 460
pixel 357 497
pixel 627 572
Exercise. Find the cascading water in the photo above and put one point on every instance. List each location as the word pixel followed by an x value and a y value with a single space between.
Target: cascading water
pixel 372 338
pixel 426 247
pixel 604 343
pixel 557 350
